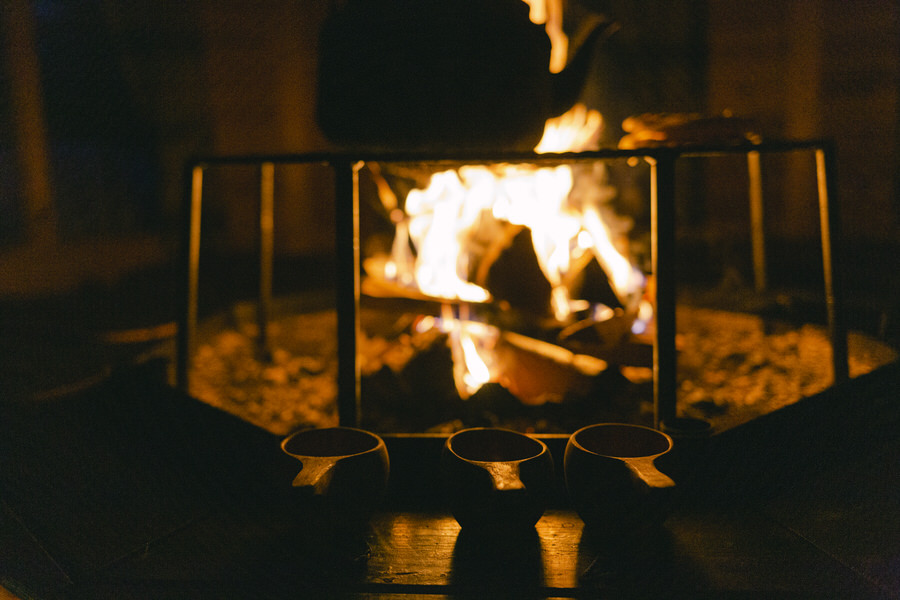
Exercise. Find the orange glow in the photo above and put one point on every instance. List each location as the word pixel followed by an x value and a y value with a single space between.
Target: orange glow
pixel 440 236
pixel 442 225
pixel 443 222
pixel 575 131
pixel 549 14
pixel 477 373
pixel 439 218
pixel 471 346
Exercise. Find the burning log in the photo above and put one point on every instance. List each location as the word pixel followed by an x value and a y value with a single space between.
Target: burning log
pixel 513 276
pixel 537 372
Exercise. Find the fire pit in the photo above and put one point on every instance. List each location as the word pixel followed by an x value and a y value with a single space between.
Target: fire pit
pixel 480 284
pixel 394 349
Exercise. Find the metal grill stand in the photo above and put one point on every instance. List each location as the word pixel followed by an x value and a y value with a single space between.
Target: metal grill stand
pixel 663 186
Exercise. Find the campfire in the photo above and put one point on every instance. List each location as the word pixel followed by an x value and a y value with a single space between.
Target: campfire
pixel 468 237
pixel 465 238
pixel 511 293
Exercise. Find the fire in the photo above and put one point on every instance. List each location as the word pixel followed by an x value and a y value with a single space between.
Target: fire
pixel 564 207
pixel 575 131
pixel 472 347
pixel 439 218
pixel 563 215
pixel 549 14
pixel 625 278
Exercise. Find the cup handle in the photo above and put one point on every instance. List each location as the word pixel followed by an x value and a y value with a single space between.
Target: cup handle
pixel 647 472
pixel 505 476
pixel 315 474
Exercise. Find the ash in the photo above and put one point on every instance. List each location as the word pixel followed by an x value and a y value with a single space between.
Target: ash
pixel 732 367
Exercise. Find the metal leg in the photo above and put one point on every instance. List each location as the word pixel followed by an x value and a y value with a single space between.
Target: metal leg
pixel 757 224
pixel 190 261
pixel 662 217
pixel 347 249
pixel 266 256
pixel 830 231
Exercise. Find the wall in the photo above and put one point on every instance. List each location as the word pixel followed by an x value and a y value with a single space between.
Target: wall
pixel 231 77
pixel 817 69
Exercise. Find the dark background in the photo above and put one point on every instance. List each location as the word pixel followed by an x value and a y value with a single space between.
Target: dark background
pixel 103 101
pixel 128 90
pixel 123 489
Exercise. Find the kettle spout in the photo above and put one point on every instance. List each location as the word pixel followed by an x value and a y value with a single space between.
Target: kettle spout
pixel 568 84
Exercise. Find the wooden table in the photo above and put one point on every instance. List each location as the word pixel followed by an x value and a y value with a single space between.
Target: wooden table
pixel 134 491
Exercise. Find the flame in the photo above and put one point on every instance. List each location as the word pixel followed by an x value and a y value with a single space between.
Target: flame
pixel 576 130
pixel 442 218
pixel 549 13
pixel 477 372
pixel 471 346
pixel 565 212
pixel 439 218
pixel 625 279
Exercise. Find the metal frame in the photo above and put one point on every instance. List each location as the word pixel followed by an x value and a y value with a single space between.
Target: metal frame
pixel 662 163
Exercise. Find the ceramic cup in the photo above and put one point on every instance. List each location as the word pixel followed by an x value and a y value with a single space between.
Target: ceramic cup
pixel 343 471
pixel 496 478
pixel 612 480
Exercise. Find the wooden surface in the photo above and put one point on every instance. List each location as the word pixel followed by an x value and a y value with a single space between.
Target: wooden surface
pixel 713 554
pixel 130 490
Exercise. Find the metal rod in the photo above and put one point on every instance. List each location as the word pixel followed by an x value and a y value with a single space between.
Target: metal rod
pixel 830 234
pixel 190 248
pixel 757 221
pixel 333 158
pixel 348 285
pixel 266 256
pixel 662 223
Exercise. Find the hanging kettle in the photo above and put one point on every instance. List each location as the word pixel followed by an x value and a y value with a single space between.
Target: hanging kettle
pixel 441 75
